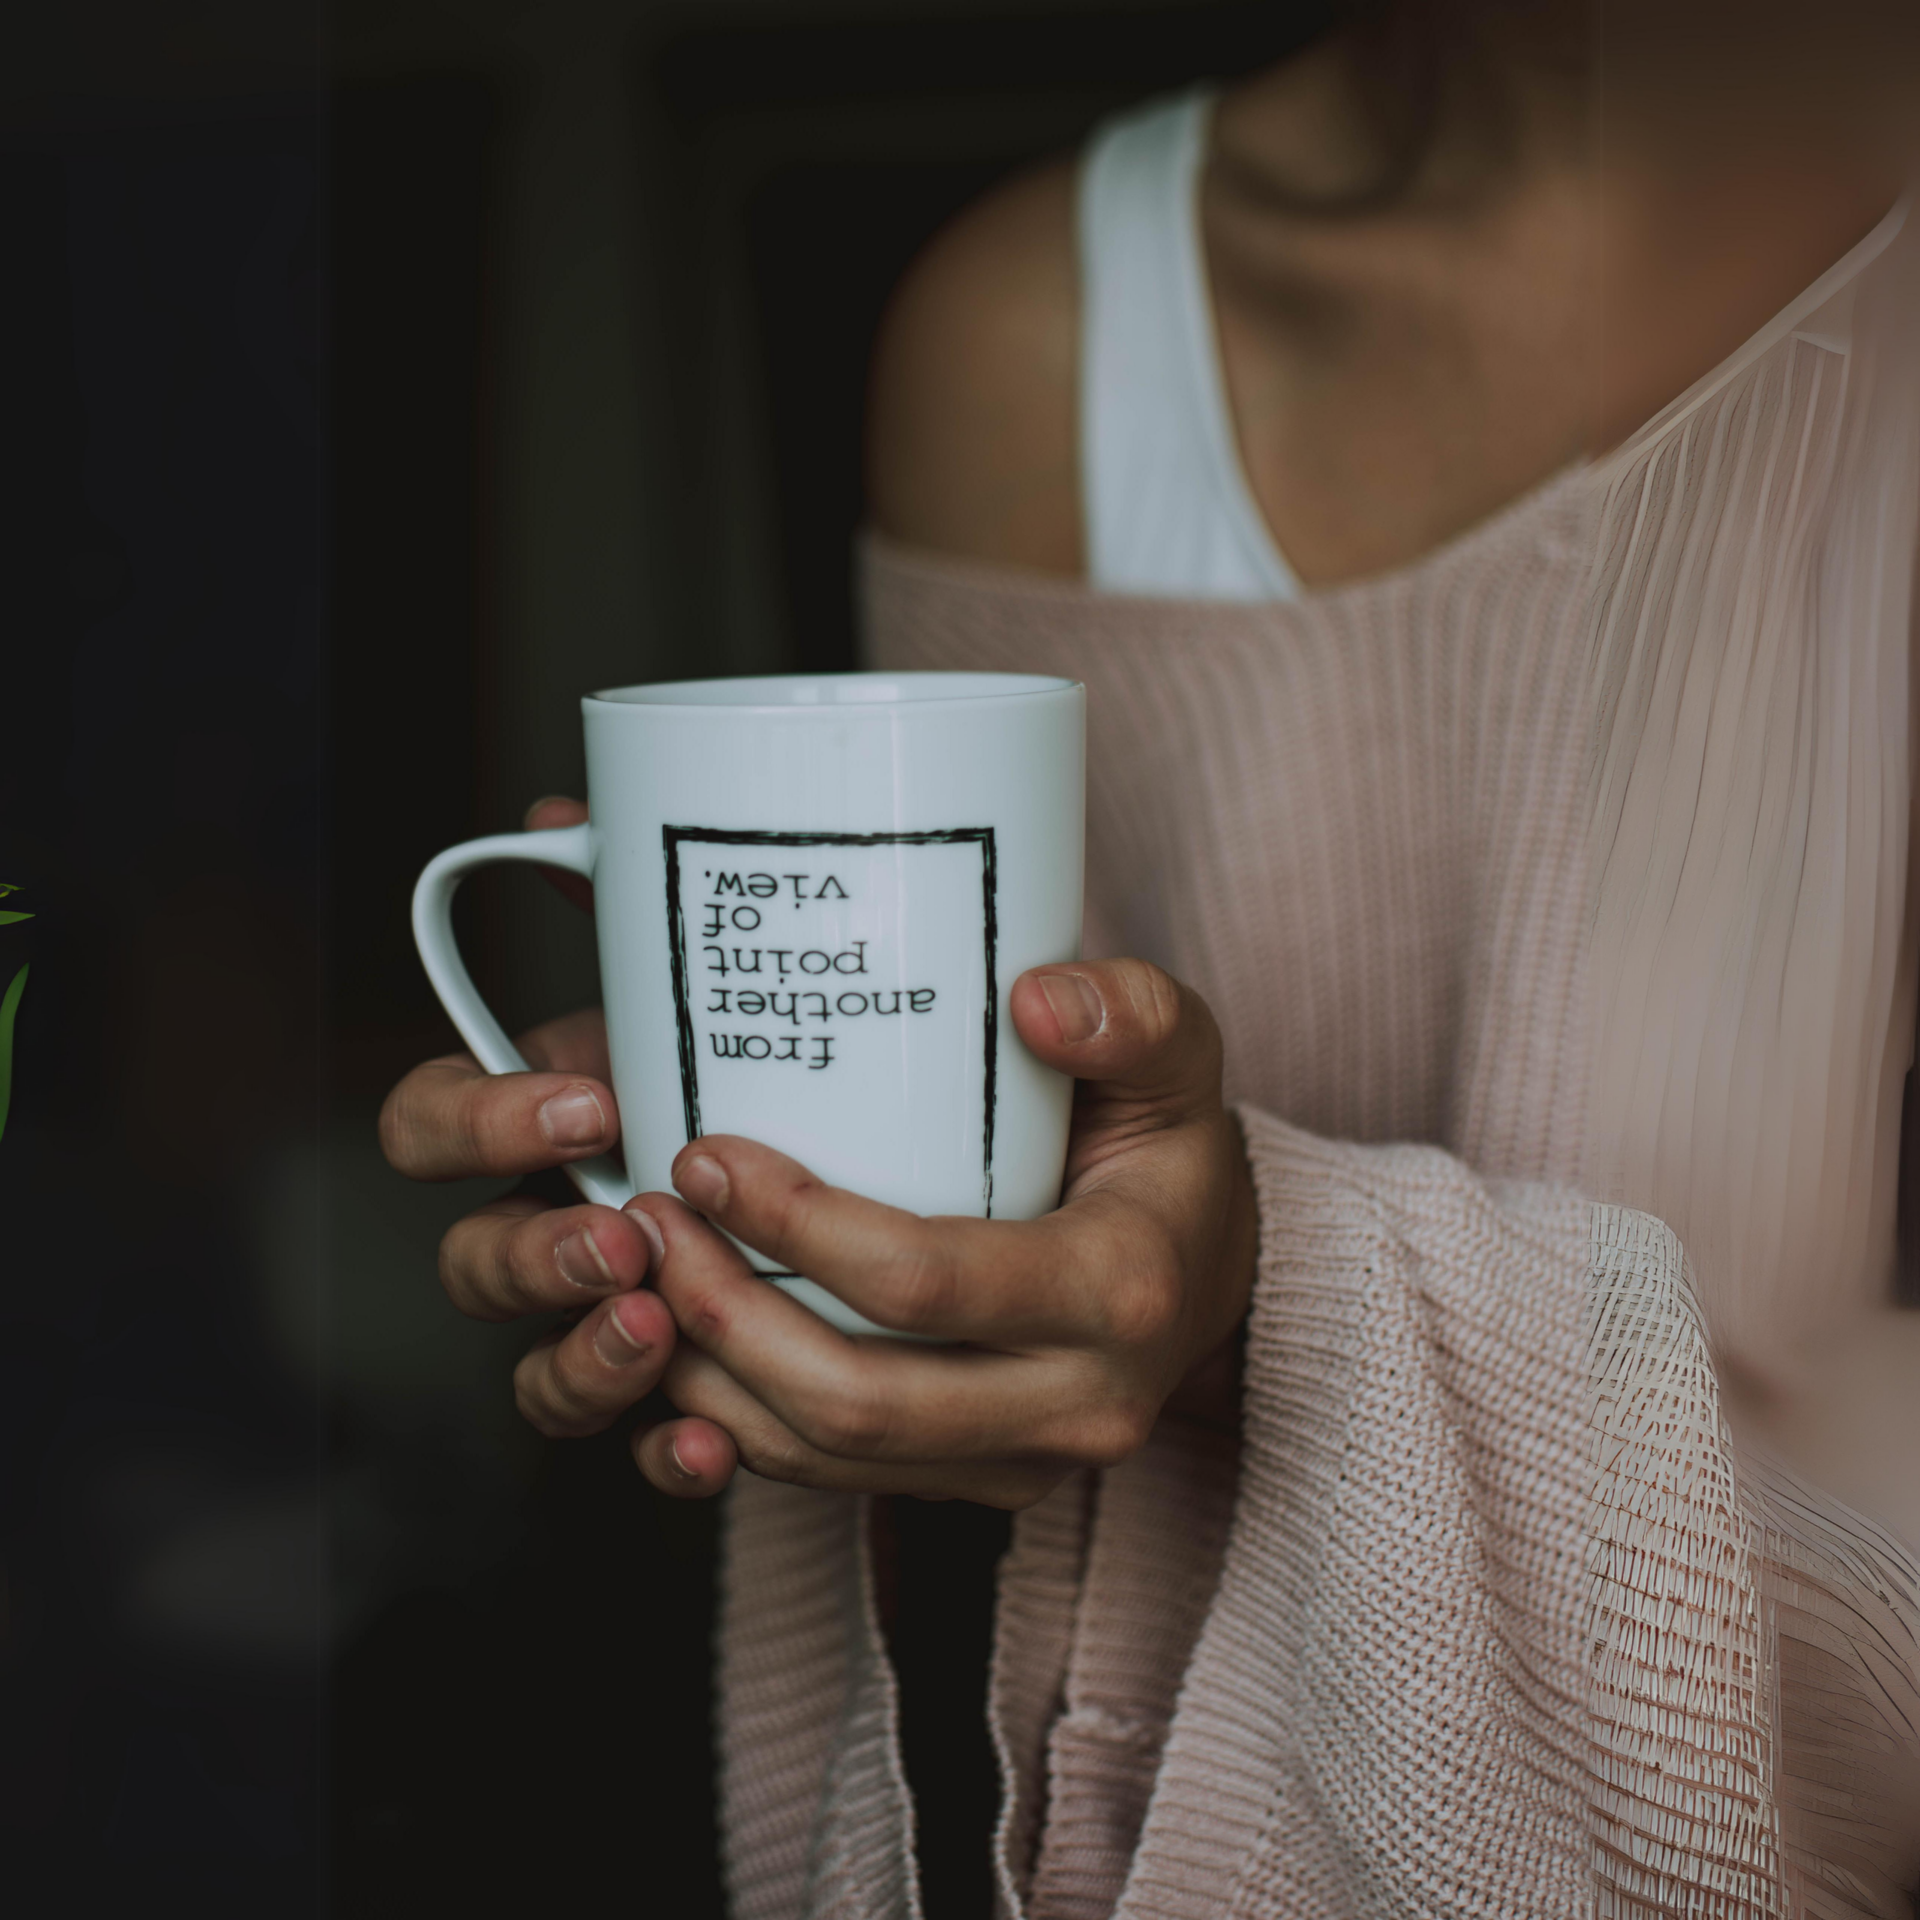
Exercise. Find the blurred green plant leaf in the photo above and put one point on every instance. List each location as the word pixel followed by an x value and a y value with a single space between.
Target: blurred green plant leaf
pixel 7 919
pixel 9 1006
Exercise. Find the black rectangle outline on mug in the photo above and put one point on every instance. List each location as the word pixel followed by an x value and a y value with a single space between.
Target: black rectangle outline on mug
pixel 670 839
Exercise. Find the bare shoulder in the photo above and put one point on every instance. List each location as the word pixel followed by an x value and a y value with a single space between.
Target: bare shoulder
pixel 972 442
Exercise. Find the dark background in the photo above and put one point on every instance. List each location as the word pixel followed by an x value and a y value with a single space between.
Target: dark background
pixel 372 384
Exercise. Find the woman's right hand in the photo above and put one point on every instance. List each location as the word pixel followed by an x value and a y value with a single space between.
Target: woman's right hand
pixel 450 1120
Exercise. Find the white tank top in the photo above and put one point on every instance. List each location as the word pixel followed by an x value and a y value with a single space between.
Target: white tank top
pixel 1166 501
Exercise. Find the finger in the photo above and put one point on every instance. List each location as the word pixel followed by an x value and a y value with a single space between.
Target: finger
pixel 582 1380
pixel 448 1120
pixel 574 1043
pixel 686 1459
pixel 768 1447
pixel 1002 1282
pixel 1125 1025
pixel 518 1256
pixel 876 1399
pixel 556 810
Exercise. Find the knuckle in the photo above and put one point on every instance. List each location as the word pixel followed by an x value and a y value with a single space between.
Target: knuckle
pixel 1143 1298
pixel 851 1422
pixel 457 1278
pixel 525 1266
pixel 923 1286
pixel 401 1132
pixel 1157 1001
pixel 1170 1019
pixel 532 1400
pixel 478 1270
pixel 550 1400
pixel 535 1414
pixel 702 1316
pixel 775 1456
pixel 391 1129
pixel 1116 1433
pixel 792 1209
pixel 477 1124
pixel 1144 1306
pixel 453 1276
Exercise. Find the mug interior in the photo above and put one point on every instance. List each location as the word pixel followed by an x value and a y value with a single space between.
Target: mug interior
pixel 822 690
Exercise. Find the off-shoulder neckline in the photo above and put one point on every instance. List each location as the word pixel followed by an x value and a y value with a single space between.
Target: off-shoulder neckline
pixel 1593 469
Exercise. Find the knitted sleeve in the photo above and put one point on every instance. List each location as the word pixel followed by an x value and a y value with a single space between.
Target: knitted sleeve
pixel 1484 1615
pixel 1495 1619
pixel 1382 1704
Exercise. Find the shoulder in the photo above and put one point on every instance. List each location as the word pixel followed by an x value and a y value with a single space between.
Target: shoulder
pixel 972 435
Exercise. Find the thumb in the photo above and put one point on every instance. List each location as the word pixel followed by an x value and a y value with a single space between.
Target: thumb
pixel 1125 1025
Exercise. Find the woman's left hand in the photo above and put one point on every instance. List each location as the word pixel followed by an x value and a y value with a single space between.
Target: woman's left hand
pixel 1073 1329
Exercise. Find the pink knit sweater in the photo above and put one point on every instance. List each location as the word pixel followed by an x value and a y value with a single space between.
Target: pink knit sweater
pixel 1552 895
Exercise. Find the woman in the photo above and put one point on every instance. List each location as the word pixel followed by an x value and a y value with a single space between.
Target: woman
pixel 1476 469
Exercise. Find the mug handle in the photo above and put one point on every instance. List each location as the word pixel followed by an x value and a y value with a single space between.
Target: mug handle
pixel 601 1178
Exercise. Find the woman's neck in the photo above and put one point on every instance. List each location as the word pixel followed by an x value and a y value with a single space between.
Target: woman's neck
pixel 1571 252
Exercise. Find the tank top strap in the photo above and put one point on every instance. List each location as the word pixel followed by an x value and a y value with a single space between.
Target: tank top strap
pixel 1166 503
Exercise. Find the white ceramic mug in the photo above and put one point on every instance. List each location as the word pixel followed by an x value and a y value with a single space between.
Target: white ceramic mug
pixel 814 893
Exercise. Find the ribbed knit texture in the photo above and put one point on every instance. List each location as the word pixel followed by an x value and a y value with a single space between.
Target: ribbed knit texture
pixel 1578 855
pixel 1684 1813
pixel 1750 640
pixel 813 1717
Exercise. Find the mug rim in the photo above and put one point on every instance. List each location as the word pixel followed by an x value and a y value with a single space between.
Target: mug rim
pixel 660 696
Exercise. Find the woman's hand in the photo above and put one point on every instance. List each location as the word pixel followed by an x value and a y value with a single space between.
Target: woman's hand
pixel 1076 1327
pixel 449 1120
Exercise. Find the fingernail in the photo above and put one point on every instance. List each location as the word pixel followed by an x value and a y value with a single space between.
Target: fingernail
pixel 546 799
pixel 704 1182
pixel 580 1260
pixel 679 1465
pixel 612 1340
pixel 656 1241
pixel 573 1119
pixel 1076 1006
